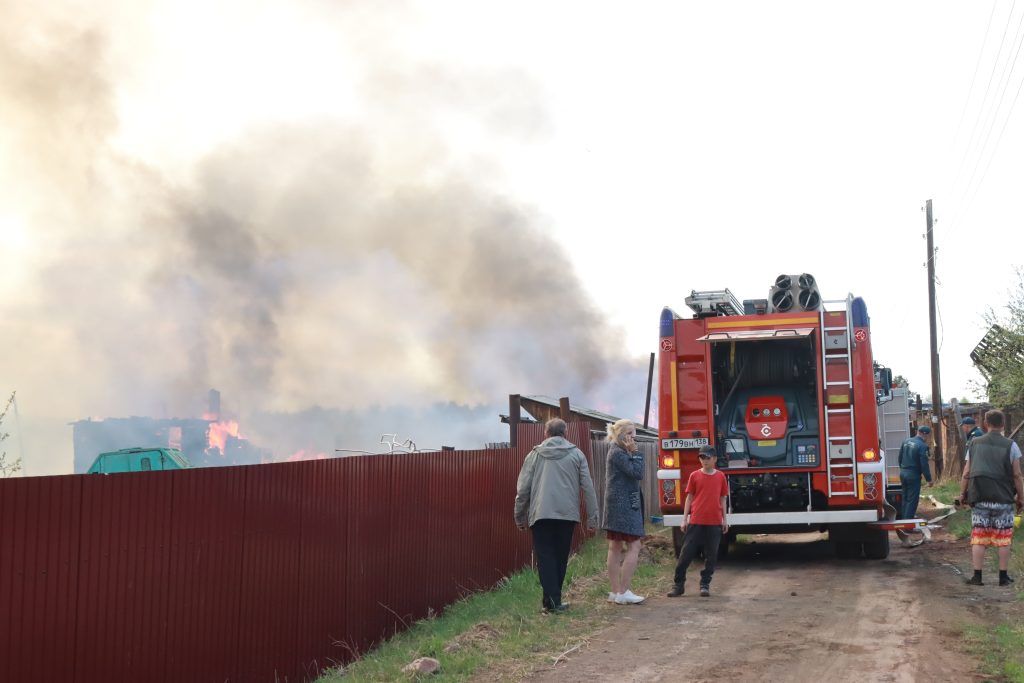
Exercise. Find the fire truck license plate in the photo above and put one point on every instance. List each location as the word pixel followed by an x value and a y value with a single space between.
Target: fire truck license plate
pixel 676 444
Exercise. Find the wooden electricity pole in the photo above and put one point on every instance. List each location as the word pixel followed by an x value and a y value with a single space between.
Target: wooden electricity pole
pixel 936 390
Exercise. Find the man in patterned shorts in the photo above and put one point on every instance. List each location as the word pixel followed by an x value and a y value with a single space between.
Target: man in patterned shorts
pixel 993 486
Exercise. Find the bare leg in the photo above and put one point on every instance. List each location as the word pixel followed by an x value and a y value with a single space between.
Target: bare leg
pixel 1004 558
pixel 629 563
pixel 978 557
pixel 615 567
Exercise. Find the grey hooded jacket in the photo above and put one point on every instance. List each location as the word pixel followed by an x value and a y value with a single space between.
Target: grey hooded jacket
pixel 550 482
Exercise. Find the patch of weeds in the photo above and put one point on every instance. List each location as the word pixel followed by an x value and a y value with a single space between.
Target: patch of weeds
pixel 501 635
pixel 1001 649
pixel 946 492
pixel 502 632
pixel 959 523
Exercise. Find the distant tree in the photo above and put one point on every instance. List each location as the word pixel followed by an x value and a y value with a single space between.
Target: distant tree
pixel 1000 355
pixel 7 468
pixel 901 381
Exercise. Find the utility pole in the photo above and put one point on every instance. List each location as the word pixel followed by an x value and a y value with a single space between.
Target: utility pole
pixel 650 381
pixel 936 390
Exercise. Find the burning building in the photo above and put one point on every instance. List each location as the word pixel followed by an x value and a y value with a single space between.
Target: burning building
pixel 209 441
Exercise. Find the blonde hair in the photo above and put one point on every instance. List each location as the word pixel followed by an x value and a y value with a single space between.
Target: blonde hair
pixel 616 430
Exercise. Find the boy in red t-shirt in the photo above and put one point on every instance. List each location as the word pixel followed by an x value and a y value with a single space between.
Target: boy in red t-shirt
pixel 706 493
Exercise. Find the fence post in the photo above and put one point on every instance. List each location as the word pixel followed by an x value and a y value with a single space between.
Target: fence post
pixel 513 418
pixel 563 408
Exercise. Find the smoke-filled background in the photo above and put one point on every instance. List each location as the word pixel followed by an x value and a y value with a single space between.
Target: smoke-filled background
pixel 276 201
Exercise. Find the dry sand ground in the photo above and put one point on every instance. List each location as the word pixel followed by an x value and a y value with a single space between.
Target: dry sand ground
pixel 784 609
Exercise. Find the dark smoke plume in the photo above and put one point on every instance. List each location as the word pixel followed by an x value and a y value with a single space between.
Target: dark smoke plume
pixel 331 264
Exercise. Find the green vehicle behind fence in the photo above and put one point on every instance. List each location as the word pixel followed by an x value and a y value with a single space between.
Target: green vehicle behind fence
pixel 139 460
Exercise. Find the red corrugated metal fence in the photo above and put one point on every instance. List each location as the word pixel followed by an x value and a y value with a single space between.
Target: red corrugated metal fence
pixel 256 573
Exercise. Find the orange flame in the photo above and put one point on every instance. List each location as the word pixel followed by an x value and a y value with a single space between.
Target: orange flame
pixel 303 454
pixel 219 432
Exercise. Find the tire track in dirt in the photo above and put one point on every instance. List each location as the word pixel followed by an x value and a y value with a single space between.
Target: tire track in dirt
pixel 784 609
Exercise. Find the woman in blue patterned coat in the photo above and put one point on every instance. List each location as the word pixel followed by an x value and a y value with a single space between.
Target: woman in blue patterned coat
pixel 623 510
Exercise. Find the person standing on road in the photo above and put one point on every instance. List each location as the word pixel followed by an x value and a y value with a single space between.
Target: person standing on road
pixel 548 501
pixel 706 494
pixel 623 510
pixel 913 461
pixel 993 487
pixel 970 429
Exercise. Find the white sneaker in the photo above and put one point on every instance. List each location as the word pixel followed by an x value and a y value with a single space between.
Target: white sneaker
pixel 629 598
pixel 612 596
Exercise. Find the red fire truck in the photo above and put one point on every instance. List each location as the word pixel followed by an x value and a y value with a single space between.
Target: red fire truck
pixel 784 389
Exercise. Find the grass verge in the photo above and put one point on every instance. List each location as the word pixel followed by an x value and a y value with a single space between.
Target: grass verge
pixel 1000 650
pixel 502 632
pixel 1000 647
pixel 959 524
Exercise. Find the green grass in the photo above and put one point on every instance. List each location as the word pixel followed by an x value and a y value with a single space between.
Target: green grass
pixel 502 631
pixel 959 525
pixel 946 491
pixel 1000 647
pixel 1000 650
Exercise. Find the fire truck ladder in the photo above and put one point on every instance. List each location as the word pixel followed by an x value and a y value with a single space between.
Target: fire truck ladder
pixel 837 373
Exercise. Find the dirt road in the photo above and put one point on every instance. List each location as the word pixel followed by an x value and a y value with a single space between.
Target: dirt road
pixel 784 609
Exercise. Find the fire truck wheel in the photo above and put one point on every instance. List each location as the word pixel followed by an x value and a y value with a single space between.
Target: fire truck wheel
pixel 876 545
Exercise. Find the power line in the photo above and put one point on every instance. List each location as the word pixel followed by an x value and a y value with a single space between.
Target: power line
pixel 999 104
pixel 966 200
pixel 970 91
pixel 984 98
pixel 995 149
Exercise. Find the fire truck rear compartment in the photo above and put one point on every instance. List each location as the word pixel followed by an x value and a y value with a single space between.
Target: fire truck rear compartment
pixel 766 403
pixel 766 400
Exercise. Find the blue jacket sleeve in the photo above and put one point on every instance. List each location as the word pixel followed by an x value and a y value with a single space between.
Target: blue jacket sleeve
pixel 630 465
pixel 922 454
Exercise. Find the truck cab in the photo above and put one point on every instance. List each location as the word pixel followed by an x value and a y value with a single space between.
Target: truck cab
pixel 139 460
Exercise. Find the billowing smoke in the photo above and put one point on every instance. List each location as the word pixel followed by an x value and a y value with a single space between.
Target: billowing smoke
pixel 342 270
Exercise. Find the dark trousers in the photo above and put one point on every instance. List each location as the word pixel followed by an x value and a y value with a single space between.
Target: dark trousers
pixel 911 482
pixel 552 539
pixel 707 536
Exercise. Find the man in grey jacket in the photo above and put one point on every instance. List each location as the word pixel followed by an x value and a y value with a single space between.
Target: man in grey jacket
pixel 548 501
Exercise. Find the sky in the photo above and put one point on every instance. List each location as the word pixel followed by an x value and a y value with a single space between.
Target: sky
pixel 343 214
